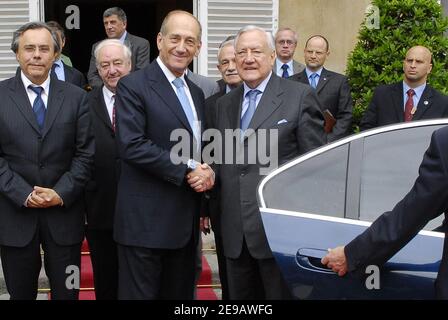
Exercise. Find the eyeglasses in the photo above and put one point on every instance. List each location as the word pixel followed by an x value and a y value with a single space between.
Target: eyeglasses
pixel 245 53
pixel 287 42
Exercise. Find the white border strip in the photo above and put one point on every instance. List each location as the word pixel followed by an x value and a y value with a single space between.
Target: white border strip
pixel 338 220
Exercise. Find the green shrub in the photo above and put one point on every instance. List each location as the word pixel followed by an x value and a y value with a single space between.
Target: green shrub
pixel 378 55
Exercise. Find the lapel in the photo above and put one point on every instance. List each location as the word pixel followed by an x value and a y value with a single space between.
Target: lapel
pixel 99 107
pixel 301 77
pixel 164 90
pixel 269 102
pixel 397 100
pixel 325 76
pixel 54 104
pixel 424 103
pixel 20 98
pixel 128 41
pixel 233 108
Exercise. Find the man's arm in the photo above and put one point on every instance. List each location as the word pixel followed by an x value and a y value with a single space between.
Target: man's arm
pixel 345 113
pixel 370 118
pixel 141 55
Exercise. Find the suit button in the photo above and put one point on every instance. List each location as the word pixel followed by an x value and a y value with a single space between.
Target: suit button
pixel 242 174
pixel 39 138
pixel 41 165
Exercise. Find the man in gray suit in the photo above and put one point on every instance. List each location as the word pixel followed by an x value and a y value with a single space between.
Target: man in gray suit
pixel 285 46
pixel 45 162
pixel 208 86
pixel 115 22
pixel 332 88
pixel 286 116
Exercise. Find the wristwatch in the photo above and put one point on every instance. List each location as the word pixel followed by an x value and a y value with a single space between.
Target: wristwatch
pixel 191 165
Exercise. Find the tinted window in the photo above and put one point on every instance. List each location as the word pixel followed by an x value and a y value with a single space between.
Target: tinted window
pixel 390 167
pixel 316 185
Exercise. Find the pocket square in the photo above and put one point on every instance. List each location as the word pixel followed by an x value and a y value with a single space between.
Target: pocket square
pixel 282 121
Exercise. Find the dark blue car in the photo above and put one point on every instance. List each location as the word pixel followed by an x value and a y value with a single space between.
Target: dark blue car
pixel 330 195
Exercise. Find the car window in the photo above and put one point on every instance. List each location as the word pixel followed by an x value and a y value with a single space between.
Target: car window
pixel 316 185
pixel 389 169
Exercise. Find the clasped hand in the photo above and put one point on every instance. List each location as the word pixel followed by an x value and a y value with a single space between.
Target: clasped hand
pixel 43 198
pixel 202 178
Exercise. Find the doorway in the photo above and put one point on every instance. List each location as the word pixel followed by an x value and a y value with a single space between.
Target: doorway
pixel 144 20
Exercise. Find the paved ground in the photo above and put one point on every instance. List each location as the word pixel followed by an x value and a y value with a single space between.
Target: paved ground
pixel 208 243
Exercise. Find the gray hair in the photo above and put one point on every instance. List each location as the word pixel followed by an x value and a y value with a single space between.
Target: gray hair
pixel 227 41
pixel 33 26
pixel 115 11
pixel 269 38
pixel 296 37
pixel 112 42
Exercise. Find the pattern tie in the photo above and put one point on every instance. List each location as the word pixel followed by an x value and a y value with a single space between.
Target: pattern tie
pixel 113 113
pixel 409 106
pixel 39 106
pixel 313 82
pixel 285 73
pixel 188 110
pixel 247 116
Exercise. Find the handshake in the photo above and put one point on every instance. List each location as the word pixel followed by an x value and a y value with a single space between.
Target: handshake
pixel 202 178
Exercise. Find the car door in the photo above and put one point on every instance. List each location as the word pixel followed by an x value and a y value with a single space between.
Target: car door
pixel 330 195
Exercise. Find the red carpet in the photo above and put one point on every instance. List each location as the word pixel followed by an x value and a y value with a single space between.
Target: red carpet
pixel 87 288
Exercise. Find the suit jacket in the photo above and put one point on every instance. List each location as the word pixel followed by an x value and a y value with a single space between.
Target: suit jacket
pixel 334 94
pixel 210 105
pixel 74 76
pixel 427 199
pixel 140 58
pixel 101 191
pixel 208 86
pixel 59 157
pixel 155 207
pixel 296 65
pixel 292 109
pixel 387 106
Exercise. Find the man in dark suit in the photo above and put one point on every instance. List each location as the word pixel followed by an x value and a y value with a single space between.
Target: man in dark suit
pixel 427 199
pixel 158 200
pixel 411 99
pixel 61 70
pixel 115 22
pixel 45 161
pixel 286 113
pixel 114 62
pixel 332 88
pixel 230 80
pixel 285 46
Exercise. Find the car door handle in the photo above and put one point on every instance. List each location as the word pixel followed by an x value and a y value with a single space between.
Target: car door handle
pixel 309 259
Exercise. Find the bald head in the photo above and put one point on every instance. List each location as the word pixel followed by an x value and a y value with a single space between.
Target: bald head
pixel 417 66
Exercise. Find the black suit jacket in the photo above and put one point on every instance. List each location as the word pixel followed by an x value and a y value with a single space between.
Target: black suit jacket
pixel 334 94
pixel 140 58
pixel 101 190
pixel 60 157
pixel 210 105
pixel 387 106
pixel 155 207
pixel 427 199
pixel 74 76
pixel 292 109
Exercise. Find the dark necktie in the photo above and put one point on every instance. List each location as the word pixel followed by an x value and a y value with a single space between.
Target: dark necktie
pixel 285 71
pixel 247 116
pixel 113 113
pixel 313 82
pixel 39 106
pixel 409 106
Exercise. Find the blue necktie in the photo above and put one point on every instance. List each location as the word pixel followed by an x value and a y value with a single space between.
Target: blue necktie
pixel 313 82
pixel 188 110
pixel 247 116
pixel 39 106
pixel 285 71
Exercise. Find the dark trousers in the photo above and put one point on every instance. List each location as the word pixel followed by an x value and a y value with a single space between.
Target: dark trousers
pixel 222 265
pixel 103 252
pixel 21 266
pixel 152 274
pixel 253 279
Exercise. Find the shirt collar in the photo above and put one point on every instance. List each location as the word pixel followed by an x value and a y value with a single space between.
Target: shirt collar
pixel 59 63
pixel 309 72
pixel 123 36
pixel 418 90
pixel 27 82
pixel 107 93
pixel 168 74
pixel 261 86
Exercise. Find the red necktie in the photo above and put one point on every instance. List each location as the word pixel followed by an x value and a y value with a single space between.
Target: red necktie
pixel 409 106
